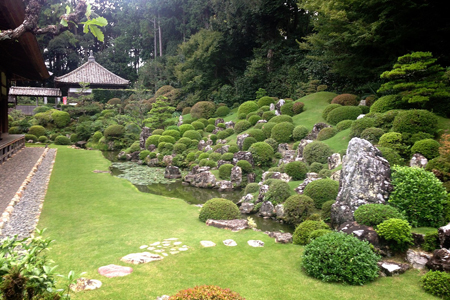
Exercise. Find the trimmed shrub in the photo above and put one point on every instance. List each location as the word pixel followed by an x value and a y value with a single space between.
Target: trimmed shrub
pixel 245 166
pixel 298 107
pixel 222 111
pixel 242 126
pixel 326 210
pixel 37 130
pixel 215 156
pixel 42 139
pixel 397 233
pixel 173 133
pixel 254 119
pixel 251 188
pixel 97 136
pixel 392 140
pixel 372 134
pixel 321 191
pixel 267 128
pixel 415 121
pixel 233 148
pixel 343 113
pixel 374 214
pixel 179 148
pixel 267 115
pixel 296 169
pixel 262 153
pixel 203 120
pixel 190 157
pixel 419 194
pixel 204 292
pixel 327 258
pixel 114 131
pixel 223 134
pixel 225 171
pixel 219 209
pixel 227 156
pixel 62 140
pixel 358 126
pixel 258 134
pixel 247 107
pixel 325 173
pixel 248 142
pixel 152 140
pixel 281 119
pixel 392 156
pixel 326 133
pixel 60 118
pixel 282 132
pixel 345 100
pixel 193 135
pixel 287 108
pixel 74 138
pixel 297 208
pixel 304 229
pixel 273 143
pixel 242 116
pixel 30 137
pixel 265 101
pixel 198 125
pixel 186 141
pixel 299 133
pixel 318 233
pixel 385 104
pixel 210 128
pixel 437 283
pixel 326 111
pixel 428 148
pixel 15 130
pixel 143 154
pixel 166 139
pixel 157 132
pixel 278 191
pixel 342 125
pixel 316 167
pixel 208 163
pixel 431 242
pixel 185 127
pixel 203 109
pixel 317 152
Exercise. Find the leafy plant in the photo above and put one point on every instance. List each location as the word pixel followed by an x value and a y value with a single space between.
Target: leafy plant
pixel 322 190
pixel 374 214
pixel 206 292
pixel 437 283
pixel 297 208
pixel 302 231
pixel 397 233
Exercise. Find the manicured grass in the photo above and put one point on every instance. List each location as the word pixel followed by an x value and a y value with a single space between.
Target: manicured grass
pixel 424 230
pixel 340 141
pixel 314 105
pixel 96 219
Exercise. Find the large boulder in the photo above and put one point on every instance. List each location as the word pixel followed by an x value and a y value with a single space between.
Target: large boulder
pixel 279 211
pixel 418 260
pixel 278 106
pixel 263 189
pixel 267 209
pixel 236 176
pixel 316 129
pixel 225 186
pixel 334 161
pixel 201 178
pixel 172 172
pixel 145 133
pixel 280 237
pixel 167 160
pixel 444 236
pixel 310 177
pixel 243 155
pixel 362 232
pixel 282 148
pixel 223 149
pixel 418 160
pixel 365 178
pixel 233 225
pixel 288 156
pixel 240 140
pixel 392 268
pixel 440 260
pixel 276 175
pixel 301 146
pixel 203 145
pixel 246 208
pixel 229 124
pixel 251 177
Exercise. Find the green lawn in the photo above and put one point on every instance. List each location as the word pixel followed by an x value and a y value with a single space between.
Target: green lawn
pixel 97 218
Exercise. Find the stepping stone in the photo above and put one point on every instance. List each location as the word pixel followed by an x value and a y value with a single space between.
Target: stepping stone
pixel 84 284
pixel 207 244
pixel 159 246
pixel 155 243
pixel 141 258
pixel 173 249
pixel 151 248
pixel 177 243
pixel 256 243
pixel 171 239
pixel 183 249
pixel 158 250
pixel 143 247
pixel 111 271
pixel 165 254
pixel 174 252
pixel 166 244
pixel 230 243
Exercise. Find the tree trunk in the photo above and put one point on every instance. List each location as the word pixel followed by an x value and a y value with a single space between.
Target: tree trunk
pixel 160 39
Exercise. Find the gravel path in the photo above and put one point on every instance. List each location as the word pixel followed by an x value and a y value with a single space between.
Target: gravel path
pixel 14 172
pixel 24 217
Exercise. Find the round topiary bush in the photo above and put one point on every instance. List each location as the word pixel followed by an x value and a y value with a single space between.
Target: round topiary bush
pixel 343 113
pixel 321 191
pixel 37 130
pixel 273 143
pixel 298 107
pixel 97 136
pixel 43 139
pixel 397 233
pixel 143 154
pixel 193 135
pixel 392 156
pixel 287 108
pixel 437 283
pixel 392 140
pixel 223 134
pixel 278 192
pixel 30 137
pixel 74 138
pixel 247 107
pixel 358 126
pixel 297 208
pixel 225 171
pixel 326 133
pixel 242 126
pixel 372 134
pixel 254 119
pixel 296 169
pixel 345 99
pixel 317 152
pixel 166 139
pixel 173 133
pixel 205 292
pixel 299 133
pixel 386 103
pixel 245 166
pixel 248 142
pixel 198 125
pixel 219 209
pixel 342 125
pixel 316 167
pixel 179 148
pixel 419 194
pixel 62 140
pixel 318 233
pixel 185 127
pixel 157 132
pixel 222 111
pixel 258 134
pixel 267 115
pixel 374 214
pixel 304 229
pixel 152 140
pixel 326 210
pixel 415 121
pixel 203 109
pixel 282 132
pixel 328 258
pixel 114 131
pixel 265 101
pixel 251 188
pixel 267 128
pixel 328 109
pixel 210 128
pixel 428 148
pixel 60 118
pixel 281 119
pixel 227 156
pixel 15 130
pixel 262 153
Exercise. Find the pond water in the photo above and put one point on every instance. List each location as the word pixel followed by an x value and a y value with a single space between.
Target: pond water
pixel 143 178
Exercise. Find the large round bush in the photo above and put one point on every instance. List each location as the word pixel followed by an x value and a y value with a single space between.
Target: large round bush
pixel 203 109
pixel 415 121
pixel 372 134
pixel 258 134
pixel 282 132
pixel 296 169
pixel 198 125
pixel 343 113
pixel 302 231
pixel 278 192
pixel 298 107
pixel 265 101
pixel 193 135
pixel 62 140
pixel 245 166
pixel 342 125
pixel 152 140
pixel 247 107
pixel 437 283
pixel 338 257
pixel 31 137
pixel 219 209
pixel 248 142
pixel 185 127
pixel 267 128
pixel 254 119
pixel 428 148
pixel 222 111
pixel 299 132
pixel 321 191
pixel 173 133
pixel 114 131
pixel 251 188
pixel 281 119
pixel 328 109
pixel 397 233
pixel 206 292
pixel 326 133
pixel 358 126
pixel 267 115
pixel 60 118
pixel 225 171
pixel 262 153
pixel 297 208
pixel 386 103
pixel 166 139
pixel 317 152
pixel 392 140
pixel 419 194
pixel 374 214
pixel 287 108
pixel 242 126
pixel 37 130
pixel 345 99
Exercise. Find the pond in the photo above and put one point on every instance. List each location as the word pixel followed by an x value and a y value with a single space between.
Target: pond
pixel 151 180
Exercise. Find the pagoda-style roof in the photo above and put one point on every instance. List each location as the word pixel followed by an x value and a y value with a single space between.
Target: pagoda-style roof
pixel 93 73
pixel 34 91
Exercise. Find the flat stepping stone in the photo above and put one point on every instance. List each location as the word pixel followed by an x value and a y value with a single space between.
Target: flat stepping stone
pixel 151 248
pixel 141 258
pixel 174 252
pixel 165 254
pixel 256 243
pixel 143 247
pixel 84 284
pixel 112 271
pixel 155 244
pixel 158 250
pixel 207 244
pixel 171 239
pixel 230 243
pixel 166 245
pixel 183 249
pixel 177 243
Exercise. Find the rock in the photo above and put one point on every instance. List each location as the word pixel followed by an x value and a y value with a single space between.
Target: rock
pixel 263 189
pixel 222 162
pixel 230 243
pixel 251 177
pixel 315 131
pixel 278 106
pixel 151 147
pixel 180 121
pixel 255 243
pixel 233 225
pixel 391 268
pixel 202 145
pixel 279 211
pixel 418 160
pixel 360 116
pixel 267 209
pixel 240 140
pixel 217 129
pixel 207 244
pixel 84 284
pixel 154 162
pixel 301 147
pixel 418 239
pixel 81 144
pixel 122 155
pixel 218 121
pixel 223 141
pixel 223 149
pixel 362 232
pixel 282 148
pixel 246 208
pixel 444 236
pixel 141 258
pixel 243 155
pixel 334 161
pixel 289 156
pixel 236 176
pixel 207 148
pixel 362 103
pixel 111 271
pixel 281 238
pixel 365 178
pixel 145 133
pixel 336 175
pixel 229 124
pixel 247 199
pixel 275 175
pixel 202 180
pixel 225 186
pixel 310 177
pixel 272 106
pixel 198 170
pixel 440 261
pixel 261 121
pixel 163 297
pixel 167 160
pixel 417 259
pixel 172 172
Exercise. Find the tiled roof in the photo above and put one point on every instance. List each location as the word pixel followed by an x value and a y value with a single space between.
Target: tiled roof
pixel 34 91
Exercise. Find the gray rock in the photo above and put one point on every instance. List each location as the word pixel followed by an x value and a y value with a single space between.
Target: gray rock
pixel 281 238
pixel 267 209
pixel 272 106
pixel 279 211
pixel 204 179
pixel 261 121
pixel 236 176
pixel 203 144
pixel 141 258
pixel 360 116
pixel 207 148
pixel 365 178
pixel 282 148
pixel 246 208
pixel 247 199
pixel 418 160
pixel 218 121
pixel 217 129
pixel 362 232
pixel 172 172
pixel 225 186
pixel 122 155
pixel 289 156
pixel 243 155
pixel 440 261
pixel 336 175
pixel 84 284
pixel 229 124
pixel 145 133
pixel 240 140
pixel 263 189
pixel 444 236
pixel 278 106
pixel 255 243
pixel 154 162
pixel 315 131
pixel 151 148
pixel 334 161
pixel 417 259
pixel 251 177
pixel 223 162
pixel 198 169
pixel 180 121
pixel 223 141
pixel 362 103
pixel 223 149
pixel 233 225
pixel 301 147
pixel 276 175
pixel 167 160
pixel 310 177
pixel 392 268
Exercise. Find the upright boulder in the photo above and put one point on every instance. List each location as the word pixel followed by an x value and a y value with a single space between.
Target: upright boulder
pixel 316 129
pixel 145 133
pixel 365 178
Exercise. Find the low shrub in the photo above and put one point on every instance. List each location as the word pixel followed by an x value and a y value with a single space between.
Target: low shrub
pixel 358 126
pixel 185 127
pixel 15 130
pixel 227 156
pixel 267 128
pixel 245 166
pixel 222 111
pixel 428 148
pixel 207 163
pixel 74 138
pixel 437 283
pixel 278 192
pixel 299 132
pixel 372 134
pixel 210 128
pixel 262 153
pixel 233 148
pixel 327 133
pixel 282 132
pixel 60 118
pixel 193 135
pixel 97 136
pixel 431 242
pixel 30 137
pixel 219 209
pixel 248 142
pixel 298 107
pixel 281 119
pixel 304 229
pixel 267 115
pixel 326 210
pixel 392 156
pixel 198 125
pixel 273 143
pixel 166 139
pixel 316 167
pixel 374 214
pixel 114 131
pixel 242 126
pixel 321 191
pixel 203 109
pixel 296 169
pixel 223 134
pixel 397 233
pixel 265 101
pixel 205 292
pixel 179 148
pixel 287 108
pixel 258 134
pixel 345 99
pixel 254 119
pixel 386 103
pixel 328 109
pixel 173 133
pixel 297 208
pixel 342 125
pixel 152 140
pixel 327 258
pixel 317 152
pixel 415 121
pixel 251 188
pixel 343 113
pixel 157 132
pixel 143 154
pixel 62 140
pixel 247 107
pixel 318 233
pixel 392 140
pixel 37 130
pixel 225 171
pixel 42 139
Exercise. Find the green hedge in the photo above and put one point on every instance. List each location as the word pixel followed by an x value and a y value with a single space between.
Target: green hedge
pixel 415 121
pixel 317 152
pixel 343 113
pixel 297 208
pixel 428 148
pixel 262 153
pixel 374 214
pixel 37 130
